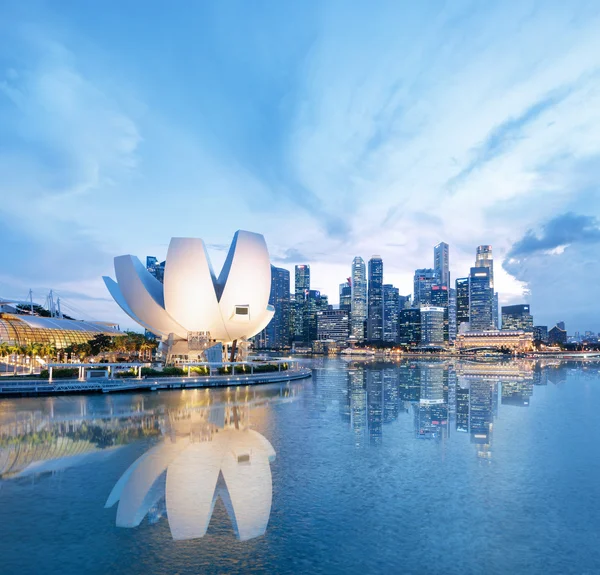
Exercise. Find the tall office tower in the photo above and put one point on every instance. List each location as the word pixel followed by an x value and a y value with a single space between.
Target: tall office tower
pixel 432 325
pixel 424 279
pixel 495 314
pixel 484 259
pixel 358 314
pixel 301 289
pixel 333 324
pixel 462 302
pixel 391 309
pixel 346 295
pixel 313 304
pixel 375 307
pixel 481 299
pixel 452 315
pixel 441 263
pixel 409 327
pixel 156 269
pixel 277 333
pixel 440 297
pixel 517 317
pixel 561 325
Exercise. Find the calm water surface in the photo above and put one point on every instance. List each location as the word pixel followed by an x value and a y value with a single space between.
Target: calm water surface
pixel 410 467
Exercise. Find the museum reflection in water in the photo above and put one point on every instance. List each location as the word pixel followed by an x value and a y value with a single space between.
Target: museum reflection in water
pixel 443 397
pixel 202 448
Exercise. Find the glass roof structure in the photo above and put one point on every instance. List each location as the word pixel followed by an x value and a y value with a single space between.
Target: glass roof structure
pixel 24 329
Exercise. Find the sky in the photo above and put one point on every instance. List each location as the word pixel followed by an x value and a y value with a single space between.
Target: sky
pixel 335 129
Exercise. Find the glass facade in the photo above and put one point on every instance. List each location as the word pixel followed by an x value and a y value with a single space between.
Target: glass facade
pixel 481 299
pixel 375 314
pixel 56 332
pixel 359 298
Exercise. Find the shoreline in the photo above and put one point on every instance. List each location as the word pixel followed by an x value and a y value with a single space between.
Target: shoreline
pixel 34 388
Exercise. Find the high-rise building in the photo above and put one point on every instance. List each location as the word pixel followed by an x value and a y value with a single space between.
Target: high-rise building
pixel 484 259
pixel 540 333
pixel 391 309
pixel 313 304
pixel 462 302
pixel 452 315
pixel 375 300
pixel 561 325
pixel 495 312
pixel 409 326
pixel 301 289
pixel 346 295
pixel 277 334
pixel 424 279
pixel 441 263
pixel 517 317
pixel 432 326
pixel 333 324
pixel 481 299
pixel 358 315
pixel 440 297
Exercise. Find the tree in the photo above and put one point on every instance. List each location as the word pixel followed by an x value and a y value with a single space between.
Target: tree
pixel 32 350
pixel 100 343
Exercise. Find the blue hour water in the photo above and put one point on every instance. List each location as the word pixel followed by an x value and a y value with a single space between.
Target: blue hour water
pixel 407 467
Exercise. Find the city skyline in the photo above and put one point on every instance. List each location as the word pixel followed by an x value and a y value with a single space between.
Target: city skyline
pixel 382 130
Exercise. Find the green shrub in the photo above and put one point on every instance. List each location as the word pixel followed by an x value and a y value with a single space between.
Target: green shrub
pixel 172 372
pixel 224 370
pixel 199 370
pixel 127 373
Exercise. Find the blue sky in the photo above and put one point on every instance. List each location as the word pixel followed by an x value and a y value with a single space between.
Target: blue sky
pixel 334 128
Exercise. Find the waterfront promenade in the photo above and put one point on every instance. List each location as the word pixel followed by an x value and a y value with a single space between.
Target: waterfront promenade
pixel 20 386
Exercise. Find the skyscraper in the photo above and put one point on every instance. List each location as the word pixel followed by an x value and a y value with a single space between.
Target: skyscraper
pixel 441 263
pixel 481 299
pixel 462 302
pixel 484 259
pixel 452 315
pixel 156 269
pixel 440 297
pixel 313 304
pixel 391 309
pixel 301 289
pixel 409 326
pixel 333 324
pixel 277 333
pixel 359 298
pixel 432 325
pixel 346 295
pixel 375 307
pixel 424 279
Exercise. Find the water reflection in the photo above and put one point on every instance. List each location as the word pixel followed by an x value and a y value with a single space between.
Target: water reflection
pixel 206 453
pixel 443 396
pixel 203 448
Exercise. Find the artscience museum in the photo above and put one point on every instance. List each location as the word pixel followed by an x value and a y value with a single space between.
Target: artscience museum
pixel 196 314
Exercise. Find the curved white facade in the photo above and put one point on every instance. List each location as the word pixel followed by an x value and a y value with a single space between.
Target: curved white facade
pixel 234 306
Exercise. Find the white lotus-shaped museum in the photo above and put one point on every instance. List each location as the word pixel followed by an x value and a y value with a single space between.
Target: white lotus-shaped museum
pixel 234 306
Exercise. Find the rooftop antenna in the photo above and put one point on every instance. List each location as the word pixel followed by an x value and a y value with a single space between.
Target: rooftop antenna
pixel 51 307
pixel 60 315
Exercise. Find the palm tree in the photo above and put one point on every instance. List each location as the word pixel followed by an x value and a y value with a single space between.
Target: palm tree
pixel 32 350
pixel 47 350
pixel 4 349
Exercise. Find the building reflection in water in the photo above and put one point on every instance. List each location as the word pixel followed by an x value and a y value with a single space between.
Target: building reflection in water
pixel 207 449
pixel 441 395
